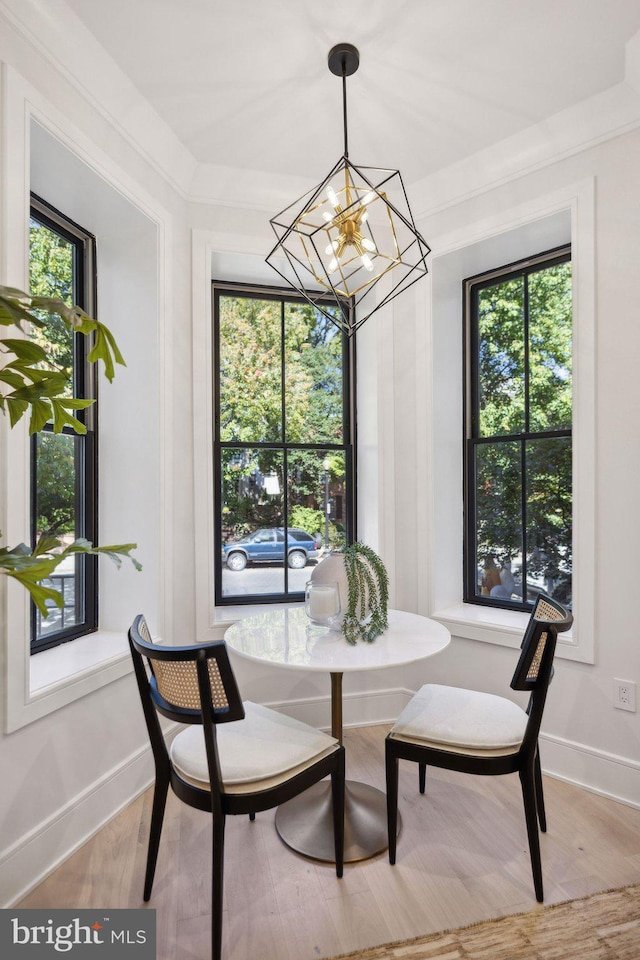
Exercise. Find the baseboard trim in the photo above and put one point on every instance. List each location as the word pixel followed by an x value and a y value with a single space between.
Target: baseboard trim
pixel 363 709
pixel 597 771
pixel 30 859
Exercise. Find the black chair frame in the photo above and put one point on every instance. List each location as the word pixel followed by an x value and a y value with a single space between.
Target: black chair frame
pixel 533 673
pixel 214 799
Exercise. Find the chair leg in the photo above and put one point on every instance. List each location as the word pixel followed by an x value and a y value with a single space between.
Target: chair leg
pixel 542 817
pixel 391 765
pixel 422 776
pixel 337 795
pixel 157 816
pixel 527 781
pixel 252 816
pixel 217 886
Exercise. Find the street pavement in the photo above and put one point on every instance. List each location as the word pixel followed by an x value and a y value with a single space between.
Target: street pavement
pixel 263 578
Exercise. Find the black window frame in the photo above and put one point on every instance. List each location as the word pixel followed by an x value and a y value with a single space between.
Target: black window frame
pixel 85 386
pixel 348 445
pixel 471 287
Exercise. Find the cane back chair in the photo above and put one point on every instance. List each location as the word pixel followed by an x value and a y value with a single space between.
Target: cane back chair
pixel 473 732
pixel 232 758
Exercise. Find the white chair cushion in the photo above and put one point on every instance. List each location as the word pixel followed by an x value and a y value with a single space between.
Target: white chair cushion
pixel 459 718
pixel 264 745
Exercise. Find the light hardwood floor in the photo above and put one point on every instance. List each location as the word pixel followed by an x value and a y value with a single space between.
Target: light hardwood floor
pixel 462 857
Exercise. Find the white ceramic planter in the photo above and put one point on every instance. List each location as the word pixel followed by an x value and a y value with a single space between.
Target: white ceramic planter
pixel 331 569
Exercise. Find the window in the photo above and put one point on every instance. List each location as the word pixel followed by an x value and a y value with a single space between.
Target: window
pixel 64 465
pixel 283 445
pixel 518 419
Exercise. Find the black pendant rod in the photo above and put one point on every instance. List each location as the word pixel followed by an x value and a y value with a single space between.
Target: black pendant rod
pixel 344 107
pixel 344 60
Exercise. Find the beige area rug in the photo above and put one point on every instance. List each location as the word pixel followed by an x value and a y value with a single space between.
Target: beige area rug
pixel 605 926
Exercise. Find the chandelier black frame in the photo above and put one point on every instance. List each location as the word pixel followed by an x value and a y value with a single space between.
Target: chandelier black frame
pixel 373 250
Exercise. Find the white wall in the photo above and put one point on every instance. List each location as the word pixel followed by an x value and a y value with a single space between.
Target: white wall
pixel 70 770
pixel 585 738
pixel 74 767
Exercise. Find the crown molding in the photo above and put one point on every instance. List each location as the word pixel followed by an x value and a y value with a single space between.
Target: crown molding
pixel 251 189
pixel 610 114
pixel 607 115
pixel 60 36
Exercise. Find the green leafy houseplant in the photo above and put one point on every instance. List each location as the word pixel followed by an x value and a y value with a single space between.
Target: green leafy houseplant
pixel 31 381
pixel 368 594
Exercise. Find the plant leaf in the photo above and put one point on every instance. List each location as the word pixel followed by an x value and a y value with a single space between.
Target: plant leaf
pixel 12 312
pixel 47 543
pixel 117 356
pixel 12 378
pixel 44 383
pixel 56 307
pixel 74 403
pixel 61 415
pixel 39 593
pixel 24 349
pixel 31 567
pixel 40 414
pixel 16 408
pixel 114 551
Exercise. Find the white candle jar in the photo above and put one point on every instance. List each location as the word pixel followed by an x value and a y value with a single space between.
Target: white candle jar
pixel 322 604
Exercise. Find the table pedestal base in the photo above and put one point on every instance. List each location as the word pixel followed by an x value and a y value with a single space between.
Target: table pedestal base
pixel 306 824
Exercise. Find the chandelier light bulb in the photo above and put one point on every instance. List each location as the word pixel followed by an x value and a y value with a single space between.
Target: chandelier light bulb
pixel 333 246
pixel 333 265
pixel 332 197
pixel 368 244
pixel 368 198
pixel 366 262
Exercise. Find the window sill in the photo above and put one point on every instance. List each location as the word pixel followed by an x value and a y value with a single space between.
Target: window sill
pixel 77 661
pixel 224 617
pixel 502 627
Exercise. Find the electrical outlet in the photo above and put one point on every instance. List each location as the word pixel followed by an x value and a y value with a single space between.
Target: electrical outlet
pixel 624 695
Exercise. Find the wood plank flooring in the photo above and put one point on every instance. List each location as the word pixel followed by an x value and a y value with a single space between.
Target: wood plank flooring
pixel 462 857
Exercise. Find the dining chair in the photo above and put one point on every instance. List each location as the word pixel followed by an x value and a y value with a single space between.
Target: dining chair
pixel 232 758
pixel 473 732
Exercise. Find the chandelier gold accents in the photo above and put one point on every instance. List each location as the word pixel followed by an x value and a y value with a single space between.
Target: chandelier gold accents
pixel 339 242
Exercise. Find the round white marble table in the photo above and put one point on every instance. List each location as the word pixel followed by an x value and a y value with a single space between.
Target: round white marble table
pixel 286 638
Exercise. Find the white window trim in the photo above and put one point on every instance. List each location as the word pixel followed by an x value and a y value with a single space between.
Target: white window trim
pixel 493 625
pixel 86 664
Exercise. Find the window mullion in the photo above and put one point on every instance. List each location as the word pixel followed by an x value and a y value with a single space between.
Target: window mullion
pixel 523 442
pixel 525 547
pixel 527 419
pixel 285 456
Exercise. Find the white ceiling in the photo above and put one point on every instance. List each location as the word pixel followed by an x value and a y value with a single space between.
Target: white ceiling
pixel 244 83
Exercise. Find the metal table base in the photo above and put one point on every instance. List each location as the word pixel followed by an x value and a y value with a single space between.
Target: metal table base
pixel 306 825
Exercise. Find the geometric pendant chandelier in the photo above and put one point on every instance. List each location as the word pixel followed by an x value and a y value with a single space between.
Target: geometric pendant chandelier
pixel 349 245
